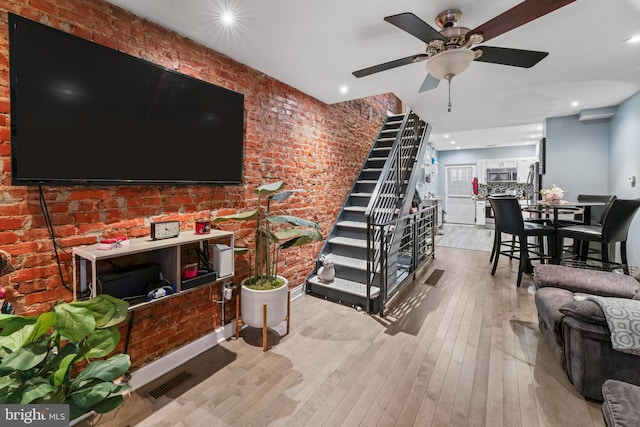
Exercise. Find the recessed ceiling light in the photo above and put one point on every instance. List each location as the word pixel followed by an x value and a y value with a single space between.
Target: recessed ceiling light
pixel 227 17
pixel 633 40
pixel 575 103
pixel 458 147
pixel 344 89
pixel 453 142
pixel 446 135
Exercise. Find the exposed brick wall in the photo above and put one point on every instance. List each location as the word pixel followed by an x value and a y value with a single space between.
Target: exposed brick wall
pixel 288 135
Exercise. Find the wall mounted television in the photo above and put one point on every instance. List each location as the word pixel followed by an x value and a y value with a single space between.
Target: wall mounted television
pixel 85 114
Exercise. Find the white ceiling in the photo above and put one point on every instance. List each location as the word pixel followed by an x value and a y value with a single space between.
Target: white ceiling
pixel 314 46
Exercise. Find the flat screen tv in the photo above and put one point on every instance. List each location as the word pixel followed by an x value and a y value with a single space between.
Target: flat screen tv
pixel 85 114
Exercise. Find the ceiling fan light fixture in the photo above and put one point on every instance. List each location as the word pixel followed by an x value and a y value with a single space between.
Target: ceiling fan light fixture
pixel 449 63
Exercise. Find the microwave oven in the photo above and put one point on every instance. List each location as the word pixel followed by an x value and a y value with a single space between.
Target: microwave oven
pixel 502 175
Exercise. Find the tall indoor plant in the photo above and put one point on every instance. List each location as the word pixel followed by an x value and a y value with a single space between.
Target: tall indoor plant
pixel 272 234
pixel 40 357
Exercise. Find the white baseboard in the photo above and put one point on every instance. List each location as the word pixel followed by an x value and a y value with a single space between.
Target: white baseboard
pixel 297 292
pixel 147 373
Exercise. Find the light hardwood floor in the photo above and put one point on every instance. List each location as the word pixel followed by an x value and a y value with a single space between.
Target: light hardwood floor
pixel 466 352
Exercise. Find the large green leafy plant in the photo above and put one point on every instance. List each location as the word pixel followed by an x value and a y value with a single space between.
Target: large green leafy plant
pixel 38 354
pixel 273 233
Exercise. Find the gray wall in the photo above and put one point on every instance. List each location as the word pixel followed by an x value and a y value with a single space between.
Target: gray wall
pixel 460 157
pixel 597 158
pixel 577 156
pixel 624 160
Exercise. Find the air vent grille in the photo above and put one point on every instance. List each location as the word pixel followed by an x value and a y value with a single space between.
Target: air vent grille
pixel 170 384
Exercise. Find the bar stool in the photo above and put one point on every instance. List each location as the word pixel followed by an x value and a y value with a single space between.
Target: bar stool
pixel 615 228
pixel 508 219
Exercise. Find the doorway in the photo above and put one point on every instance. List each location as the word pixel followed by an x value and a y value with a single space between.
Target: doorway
pixel 459 203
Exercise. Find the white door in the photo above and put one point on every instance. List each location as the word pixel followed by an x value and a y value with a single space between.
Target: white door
pixel 459 203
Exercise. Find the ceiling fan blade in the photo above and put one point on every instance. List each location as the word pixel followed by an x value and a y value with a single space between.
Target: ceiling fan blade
pixel 507 56
pixel 429 83
pixel 414 26
pixel 518 15
pixel 389 65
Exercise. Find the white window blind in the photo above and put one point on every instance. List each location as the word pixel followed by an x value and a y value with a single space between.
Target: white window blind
pixel 459 181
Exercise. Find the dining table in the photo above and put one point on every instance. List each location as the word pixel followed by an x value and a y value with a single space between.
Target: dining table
pixel 542 209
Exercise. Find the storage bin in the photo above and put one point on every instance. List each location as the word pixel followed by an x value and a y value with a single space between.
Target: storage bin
pixel 223 260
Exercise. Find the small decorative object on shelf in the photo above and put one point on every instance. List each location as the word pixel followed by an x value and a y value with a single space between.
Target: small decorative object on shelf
pixel 553 194
pixel 165 230
pixel 116 242
pixel 203 227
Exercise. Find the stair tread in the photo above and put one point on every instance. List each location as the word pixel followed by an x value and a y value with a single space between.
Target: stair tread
pixel 360 194
pixel 348 286
pixel 356 263
pixel 353 224
pixel 349 241
pixel 355 208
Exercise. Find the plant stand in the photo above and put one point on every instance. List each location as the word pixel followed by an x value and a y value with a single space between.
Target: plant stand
pixel 264 319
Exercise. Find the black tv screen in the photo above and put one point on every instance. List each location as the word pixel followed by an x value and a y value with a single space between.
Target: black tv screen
pixel 85 114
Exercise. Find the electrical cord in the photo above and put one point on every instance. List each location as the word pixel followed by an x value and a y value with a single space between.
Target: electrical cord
pixel 47 220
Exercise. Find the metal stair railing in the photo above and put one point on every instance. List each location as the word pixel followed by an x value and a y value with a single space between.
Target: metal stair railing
pixel 386 200
pixel 418 245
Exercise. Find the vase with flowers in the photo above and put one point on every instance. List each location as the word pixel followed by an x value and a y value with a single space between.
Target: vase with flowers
pixel 553 194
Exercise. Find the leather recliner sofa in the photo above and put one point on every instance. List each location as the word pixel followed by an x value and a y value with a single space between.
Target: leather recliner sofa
pixel 576 329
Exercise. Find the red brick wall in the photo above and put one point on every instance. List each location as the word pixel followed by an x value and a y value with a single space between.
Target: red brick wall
pixel 288 136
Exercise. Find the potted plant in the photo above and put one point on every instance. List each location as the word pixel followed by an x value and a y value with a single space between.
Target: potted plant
pixel 272 234
pixel 38 356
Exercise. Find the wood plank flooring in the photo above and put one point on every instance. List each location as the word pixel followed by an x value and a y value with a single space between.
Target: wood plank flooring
pixel 466 352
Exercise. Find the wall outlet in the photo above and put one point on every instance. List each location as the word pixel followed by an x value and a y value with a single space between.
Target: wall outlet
pixel 632 180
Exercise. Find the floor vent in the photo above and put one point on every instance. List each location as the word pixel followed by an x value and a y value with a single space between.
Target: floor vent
pixel 170 384
pixel 434 277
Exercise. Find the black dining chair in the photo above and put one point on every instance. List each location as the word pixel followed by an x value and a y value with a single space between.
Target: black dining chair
pixel 597 215
pixel 509 220
pixel 614 228
pixel 497 236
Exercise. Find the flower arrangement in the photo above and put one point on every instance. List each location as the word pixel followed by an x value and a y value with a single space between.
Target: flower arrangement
pixel 552 194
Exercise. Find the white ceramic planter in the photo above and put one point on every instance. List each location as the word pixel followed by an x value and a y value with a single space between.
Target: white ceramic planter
pixel 252 301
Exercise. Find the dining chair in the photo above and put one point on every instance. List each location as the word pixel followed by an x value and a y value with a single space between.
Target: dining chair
pixel 597 215
pixel 509 220
pixel 614 228
pixel 498 236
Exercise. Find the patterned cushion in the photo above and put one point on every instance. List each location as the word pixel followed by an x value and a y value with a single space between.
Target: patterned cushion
pixel 623 319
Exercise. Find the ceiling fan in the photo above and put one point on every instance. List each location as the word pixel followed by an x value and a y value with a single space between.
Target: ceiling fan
pixel 449 51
